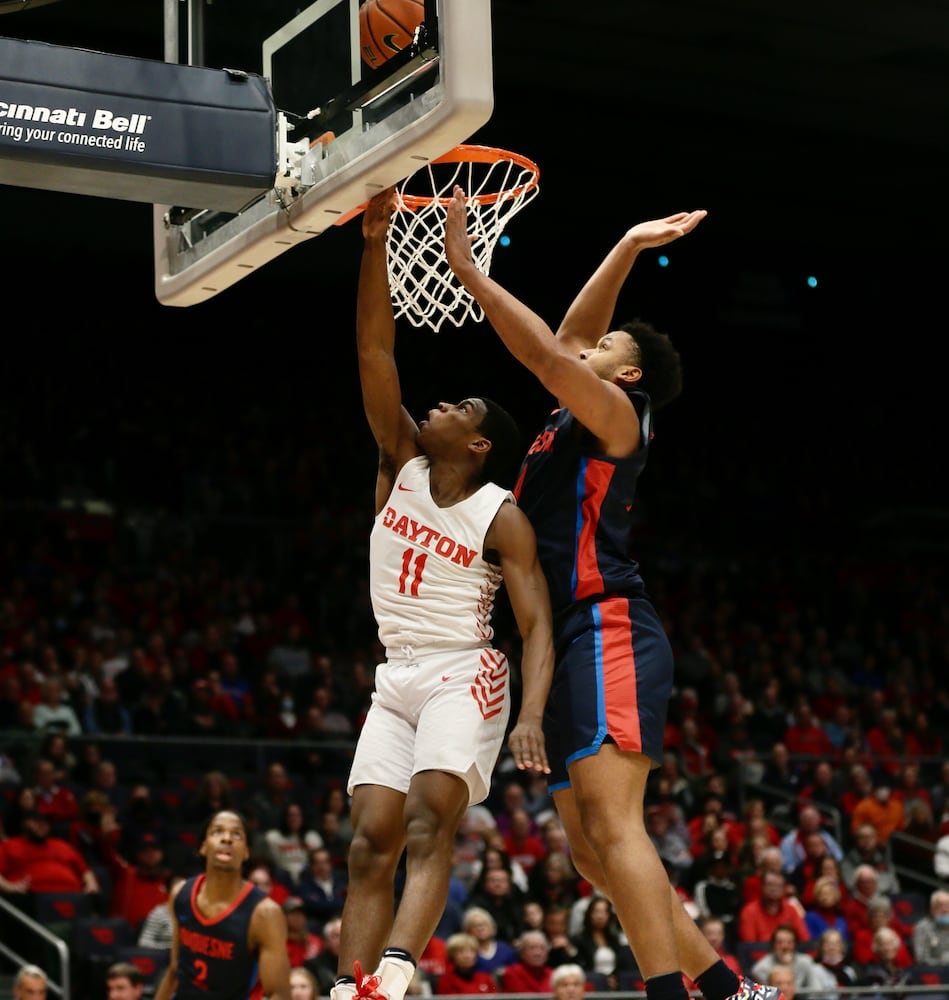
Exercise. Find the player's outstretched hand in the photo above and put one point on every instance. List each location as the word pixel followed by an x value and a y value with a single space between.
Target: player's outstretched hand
pixel 377 214
pixel 457 241
pixel 659 232
pixel 526 743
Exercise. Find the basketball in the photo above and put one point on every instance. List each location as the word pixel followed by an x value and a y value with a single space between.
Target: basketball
pixel 387 27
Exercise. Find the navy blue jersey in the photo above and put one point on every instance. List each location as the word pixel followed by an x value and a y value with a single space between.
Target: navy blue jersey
pixel 214 960
pixel 579 503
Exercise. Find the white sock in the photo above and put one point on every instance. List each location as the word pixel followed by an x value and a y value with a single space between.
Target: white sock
pixel 396 974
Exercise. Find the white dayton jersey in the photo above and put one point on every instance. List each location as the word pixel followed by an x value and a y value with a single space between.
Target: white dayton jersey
pixel 430 585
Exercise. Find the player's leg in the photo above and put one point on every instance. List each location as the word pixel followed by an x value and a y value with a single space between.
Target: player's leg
pixel 458 739
pixel 433 810
pixel 696 955
pixel 379 781
pixel 609 789
pixel 374 853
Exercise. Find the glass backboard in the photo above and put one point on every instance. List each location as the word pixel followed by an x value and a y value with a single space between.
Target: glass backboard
pixel 345 129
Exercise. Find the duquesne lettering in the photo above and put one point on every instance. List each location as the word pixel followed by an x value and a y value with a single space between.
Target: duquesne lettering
pixel 428 537
pixel 204 944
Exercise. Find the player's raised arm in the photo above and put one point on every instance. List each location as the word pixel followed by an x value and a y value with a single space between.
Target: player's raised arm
pixel 591 312
pixel 603 408
pixel 391 426
pixel 512 537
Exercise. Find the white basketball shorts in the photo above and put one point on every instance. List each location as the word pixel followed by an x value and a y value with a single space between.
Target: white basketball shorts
pixel 445 711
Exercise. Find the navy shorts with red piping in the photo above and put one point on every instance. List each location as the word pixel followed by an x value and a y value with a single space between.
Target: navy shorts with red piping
pixel 613 681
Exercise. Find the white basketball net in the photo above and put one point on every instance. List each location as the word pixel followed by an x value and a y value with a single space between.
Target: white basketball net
pixel 497 185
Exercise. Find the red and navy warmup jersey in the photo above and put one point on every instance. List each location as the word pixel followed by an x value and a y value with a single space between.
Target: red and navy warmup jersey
pixel 580 504
pixel 214 961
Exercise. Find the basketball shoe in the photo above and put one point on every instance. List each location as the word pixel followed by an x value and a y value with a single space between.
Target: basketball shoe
pixel 748 990
pixel 367 987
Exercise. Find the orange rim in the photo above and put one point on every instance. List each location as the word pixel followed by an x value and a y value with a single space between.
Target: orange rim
pixel 479 154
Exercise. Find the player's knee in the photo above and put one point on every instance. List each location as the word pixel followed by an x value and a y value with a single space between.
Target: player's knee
pixel 428 832
pixel 372 854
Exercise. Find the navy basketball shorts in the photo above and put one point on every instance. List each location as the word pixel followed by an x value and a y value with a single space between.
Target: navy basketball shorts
pixel 612 681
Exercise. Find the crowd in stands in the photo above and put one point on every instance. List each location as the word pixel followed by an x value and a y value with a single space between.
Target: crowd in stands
pixel 801 807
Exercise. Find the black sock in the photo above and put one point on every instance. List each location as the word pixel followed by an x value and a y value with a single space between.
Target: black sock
pixel 400 953
pixel 666 987
pixel 718 982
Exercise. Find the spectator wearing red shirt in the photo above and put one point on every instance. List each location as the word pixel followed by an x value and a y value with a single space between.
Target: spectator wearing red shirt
pixel 55 801
pixel 880 913
pixel 137 886
pixel 758 919
pixel 886 742
pixel 530 973
pixel 865 888
pixel 461 976
pixel 302 943
pixel 805 737
pixel 37 862
pixel 520 842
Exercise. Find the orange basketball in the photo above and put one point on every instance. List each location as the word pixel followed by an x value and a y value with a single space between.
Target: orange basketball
pixel 387 27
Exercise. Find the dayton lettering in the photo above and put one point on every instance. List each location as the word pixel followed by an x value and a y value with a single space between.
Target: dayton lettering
pixel 428 537
pixel 102 119
pixel 202 944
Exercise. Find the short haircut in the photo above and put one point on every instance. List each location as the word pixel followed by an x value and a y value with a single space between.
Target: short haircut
pixel 477 913
pixel 568 970
pixel 206 826
pixel 125 970
pixel 507 447
pixel 29 972
pixel 660 363
pixel 459 941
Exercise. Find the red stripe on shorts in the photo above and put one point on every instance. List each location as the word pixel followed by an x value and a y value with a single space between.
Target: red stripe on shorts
pixel 620 695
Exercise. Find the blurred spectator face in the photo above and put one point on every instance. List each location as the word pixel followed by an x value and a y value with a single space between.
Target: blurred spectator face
pixel 30 988
pixel 321 864
pixel 261 878
pixel 939 907
pixel 814 846
pixel 463 956
pixel 533 950
pixel 866 838
pixel 714 931
pixel 331 935
pixel 866 881
pixel 886 943
pixel 832 949
pixel 772 887
pixel 302 986
pixel 826 893
pixel 533 915
pixel 570 987
pixel 497 882
pixel 122 988
pixel 880 914
pixel 784 944
pixel 782 976
pixel 479 927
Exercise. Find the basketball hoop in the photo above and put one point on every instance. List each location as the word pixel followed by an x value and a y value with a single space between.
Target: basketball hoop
pixel 497 184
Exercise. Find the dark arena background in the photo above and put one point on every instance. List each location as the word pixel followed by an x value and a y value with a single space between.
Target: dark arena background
pixel 186 494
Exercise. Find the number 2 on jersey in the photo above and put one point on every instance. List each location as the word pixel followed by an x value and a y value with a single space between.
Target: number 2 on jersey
pixel 414 571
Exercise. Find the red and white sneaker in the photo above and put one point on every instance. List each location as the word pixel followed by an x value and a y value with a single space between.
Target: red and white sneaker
pixel 748 990
pixel 367 987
